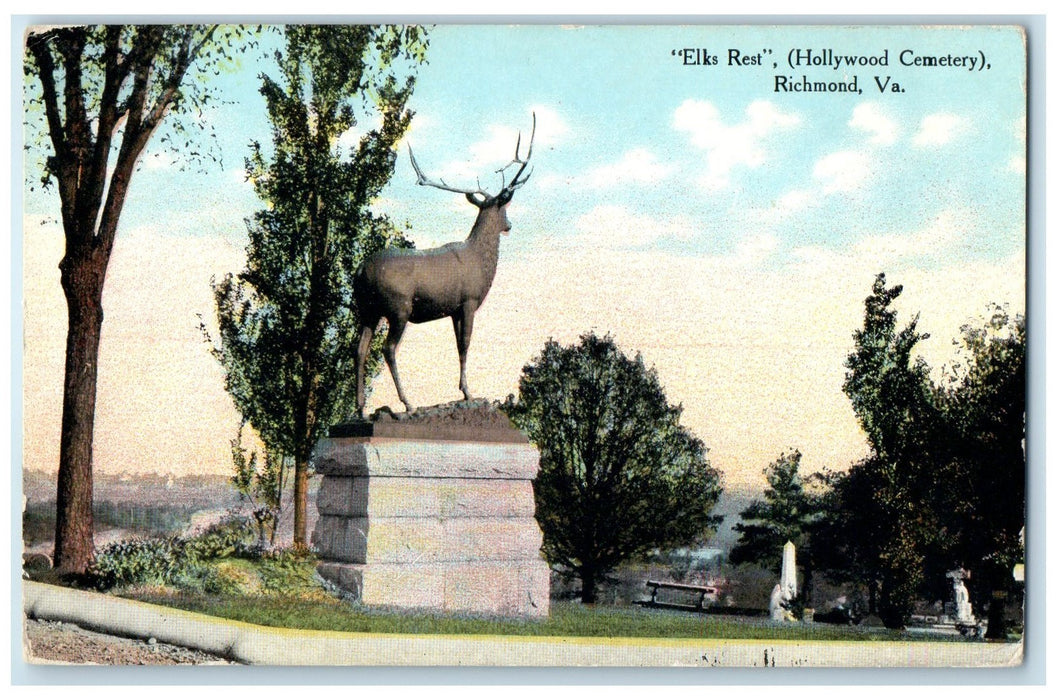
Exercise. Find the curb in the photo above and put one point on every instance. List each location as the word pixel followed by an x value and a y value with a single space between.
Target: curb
pixel 269 646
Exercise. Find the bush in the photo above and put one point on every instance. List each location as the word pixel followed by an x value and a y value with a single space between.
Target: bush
pixel 136 561
pixel 227 538
pixel 179 561
pixel 221 578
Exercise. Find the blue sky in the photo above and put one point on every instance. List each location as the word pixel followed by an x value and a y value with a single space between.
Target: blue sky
pixel 726 231
pixel 622 121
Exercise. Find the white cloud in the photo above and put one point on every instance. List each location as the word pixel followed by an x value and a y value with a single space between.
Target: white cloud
pixel 730 146
pixel 481 159
pixel 949 229
pixel 754 249
pixel 485 156
pixel 869 117
pixel 938 129
pixel 786 205
pixel 843 171
pixel 637 165
pixel 551 128
pixel 796 200
pixel 944 232
pixel 614 226
pixel 237 175
pixel 420 124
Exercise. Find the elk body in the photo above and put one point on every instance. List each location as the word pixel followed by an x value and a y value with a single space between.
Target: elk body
pixel 452 281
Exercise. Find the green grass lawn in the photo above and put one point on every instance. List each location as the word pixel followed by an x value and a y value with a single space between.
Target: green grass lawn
pixel 281 590
pixel 566 620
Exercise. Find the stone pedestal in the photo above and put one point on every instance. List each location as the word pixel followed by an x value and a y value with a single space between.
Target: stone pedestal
pixel 442 524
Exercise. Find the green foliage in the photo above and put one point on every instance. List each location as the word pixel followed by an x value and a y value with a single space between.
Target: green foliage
pixel 619 476
pixel 260 486
pixel 944 485
pixel 136 561
pixel 288 572
pixel 786 514
pixel 892 396
pixel 983 402
pixel 172 560
pixel 223 539
pixel 288 322
pixel 177 58
pixel 96 96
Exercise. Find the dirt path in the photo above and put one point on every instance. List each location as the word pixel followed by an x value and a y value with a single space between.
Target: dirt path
pixel 66 643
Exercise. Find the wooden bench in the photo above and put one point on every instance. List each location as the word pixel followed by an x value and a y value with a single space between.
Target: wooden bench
pixel 667 585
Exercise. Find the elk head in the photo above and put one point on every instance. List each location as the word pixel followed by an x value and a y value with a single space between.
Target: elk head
pixel 478 197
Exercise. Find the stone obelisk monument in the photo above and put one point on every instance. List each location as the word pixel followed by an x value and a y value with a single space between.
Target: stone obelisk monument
pixel 433 511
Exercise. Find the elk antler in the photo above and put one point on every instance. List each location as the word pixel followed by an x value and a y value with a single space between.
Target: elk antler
pixel 516 183
pixel 440 184
pixel 479 196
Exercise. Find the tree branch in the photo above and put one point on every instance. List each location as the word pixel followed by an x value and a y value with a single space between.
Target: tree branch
pixel 38 45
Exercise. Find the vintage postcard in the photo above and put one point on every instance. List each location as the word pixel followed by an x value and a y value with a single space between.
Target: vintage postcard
pixel 524 345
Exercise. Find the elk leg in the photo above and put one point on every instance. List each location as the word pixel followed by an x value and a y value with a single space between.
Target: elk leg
pixel 362 348
pixel 392 339
pixel 463 330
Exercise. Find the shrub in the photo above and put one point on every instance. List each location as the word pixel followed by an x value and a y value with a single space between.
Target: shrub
pixel 214 579
pixel 226 538
pixel 136 561
pixel 179 561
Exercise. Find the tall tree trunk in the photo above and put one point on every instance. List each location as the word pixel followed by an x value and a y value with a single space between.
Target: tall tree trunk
pixel 588 586
pixel 82 282
pixel 997 626
pixel 997 581
pixel 301 502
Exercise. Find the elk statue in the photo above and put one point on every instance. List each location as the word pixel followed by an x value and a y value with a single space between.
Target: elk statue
pixel 415 286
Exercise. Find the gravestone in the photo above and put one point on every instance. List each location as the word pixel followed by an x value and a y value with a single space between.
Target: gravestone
pixel 785 590
pixel 963 609
pixel 432 510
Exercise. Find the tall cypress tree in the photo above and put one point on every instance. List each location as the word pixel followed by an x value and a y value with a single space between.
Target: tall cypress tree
pixel 288 321
pixel 892 396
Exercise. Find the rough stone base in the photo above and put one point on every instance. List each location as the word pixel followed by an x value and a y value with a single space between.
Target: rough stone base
pixel 443 524
pixel 514 589
pixel 426 540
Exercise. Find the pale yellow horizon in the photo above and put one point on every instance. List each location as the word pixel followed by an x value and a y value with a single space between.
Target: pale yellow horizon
pixel 753 353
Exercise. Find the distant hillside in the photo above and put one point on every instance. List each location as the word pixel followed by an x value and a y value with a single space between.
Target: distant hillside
pixel 201 491
pixel 214 493
pixel 147 504
pixel 732 501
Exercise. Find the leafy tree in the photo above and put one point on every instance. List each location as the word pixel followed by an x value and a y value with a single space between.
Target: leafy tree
pixel 983 402
pixel 619 476
pixel 944 487
pixel 851 531
pixel 787 513
pixel 104 91
pixel 288 321
pixel 892 396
